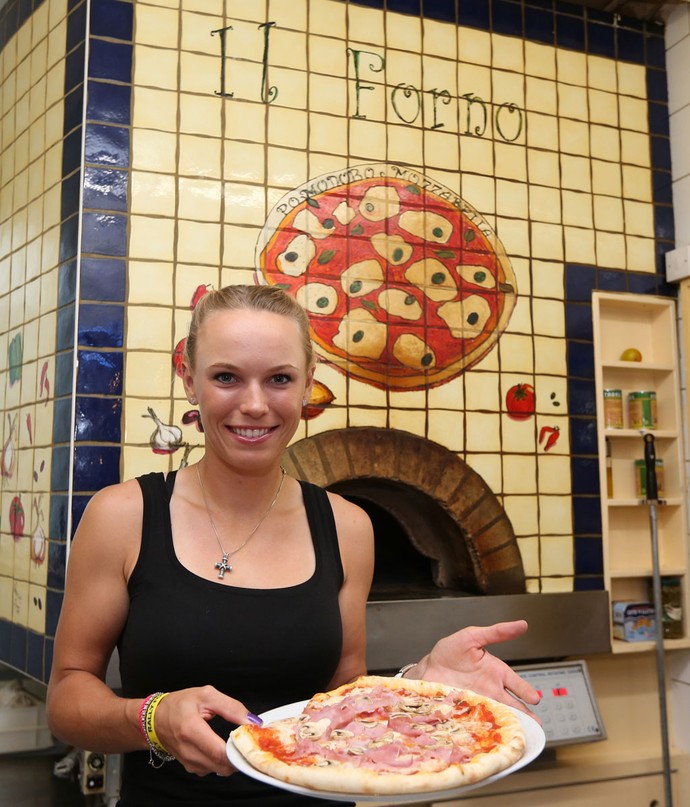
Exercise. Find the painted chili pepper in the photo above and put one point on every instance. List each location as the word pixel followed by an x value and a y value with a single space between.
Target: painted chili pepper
pixel 553 434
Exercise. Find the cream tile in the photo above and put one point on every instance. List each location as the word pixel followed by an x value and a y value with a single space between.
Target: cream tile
pixel 540 60
pixel 549 355
pixel 637 183
pixel 549 584
pixel 529 550
pixel 403 32
pixel 450 395
pixel 327 18
pixel 474 47
pixel 43 424
pixel 602 73
pixel 543 168
pixel 156 26
pixel 575 174
pixel 56 43
pixel 155 67
pixel 519 474
pixel 243 161
pixel 198 242
pixel 37 604
pixel 515 233
pixel 287 127
pixel 482 432
pixel 153 194
pixel 365 25
pixel 545 204
pixel 406 100
pixel 516 354
pixel 243 81
pixel 488 466
pixel 246 121
pixel 475 152
pixel 413 422
pixel 549 317
pixel 20 598
pixel 574 137
pixel 548 279
pixel 199 199
pixel 507 53
pixel 608 213
pixel 441 75
pixel 288 14
pixel 288 48
pixel 241 10
pixel 441 150
pixel 606 177
pixel 511 198
pixel 287 168
pixel 137 461
pixel 641 254
pixel 439 39
pixel 404 145
pixel 149 328
pixel 328 57
pixel 474 80
pixel 199 156
pixel 244 204
pixel 195 32
pixel 239 243
pixel 187 282
pixel 482 392
pixel 633 114
pixel 542 131
pixel 326 133
pixel 328 94
pixel 571 66
pixel 639 218
pixel 520 323
pixel 39 25
pixel 149 283
pixel 555 516
pixel 151 238
pixel 540 96
pixel 198 74
pixel 507 88
pixel 632 79
pixel 407 399
pixel 577 209
pixel 6 570
pixel 521 270
pixel 200 115
pixel 146 373
pixel 446 429
pixel 523 514
pixel 610 249
pixel 579 245
pixel 517 437
pixel 635 148
pixel 603 108
pixel 556 555
pixel 154 109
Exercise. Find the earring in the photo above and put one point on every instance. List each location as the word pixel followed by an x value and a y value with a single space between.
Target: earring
pixel 304 401
pixel 193 401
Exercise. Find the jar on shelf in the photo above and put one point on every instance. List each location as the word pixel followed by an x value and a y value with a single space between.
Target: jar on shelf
pixel 613 409
pixel 641 478
pixel 642 410
pixel 672 607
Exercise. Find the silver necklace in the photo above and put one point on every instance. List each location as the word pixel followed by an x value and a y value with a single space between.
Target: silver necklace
pixel 223 565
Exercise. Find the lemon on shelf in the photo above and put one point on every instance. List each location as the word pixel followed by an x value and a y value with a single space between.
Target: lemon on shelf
pixel 631 354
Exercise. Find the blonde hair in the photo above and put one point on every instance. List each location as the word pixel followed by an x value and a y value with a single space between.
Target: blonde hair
pixel 253 298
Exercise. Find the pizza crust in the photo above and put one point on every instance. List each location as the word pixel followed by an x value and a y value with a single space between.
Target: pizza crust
pixel 486 723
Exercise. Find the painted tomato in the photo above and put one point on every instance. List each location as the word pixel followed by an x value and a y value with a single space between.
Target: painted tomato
pixel 520 401
pixel 16 518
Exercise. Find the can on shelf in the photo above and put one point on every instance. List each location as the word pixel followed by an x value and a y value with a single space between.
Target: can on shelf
pixel 641 478
pixel 672 607
pixel 613 409
pixel 642 410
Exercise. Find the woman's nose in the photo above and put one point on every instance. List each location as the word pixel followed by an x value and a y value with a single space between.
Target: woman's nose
pixel 254 400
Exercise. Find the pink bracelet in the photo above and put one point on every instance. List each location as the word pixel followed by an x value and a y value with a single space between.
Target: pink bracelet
pixel 142 714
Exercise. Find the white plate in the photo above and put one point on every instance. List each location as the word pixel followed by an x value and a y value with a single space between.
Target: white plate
pixel 534 745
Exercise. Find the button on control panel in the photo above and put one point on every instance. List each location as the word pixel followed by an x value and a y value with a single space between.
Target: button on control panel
pixel 568 709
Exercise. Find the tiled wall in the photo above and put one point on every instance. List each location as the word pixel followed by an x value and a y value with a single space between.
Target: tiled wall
pixel 187 158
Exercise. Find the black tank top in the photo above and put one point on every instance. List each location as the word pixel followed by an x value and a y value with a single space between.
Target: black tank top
pixel 264 647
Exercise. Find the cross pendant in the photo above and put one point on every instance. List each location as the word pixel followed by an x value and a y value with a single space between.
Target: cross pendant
pixel 223 566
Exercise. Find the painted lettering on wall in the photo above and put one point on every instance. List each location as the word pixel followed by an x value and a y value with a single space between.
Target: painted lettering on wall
pixel 407 102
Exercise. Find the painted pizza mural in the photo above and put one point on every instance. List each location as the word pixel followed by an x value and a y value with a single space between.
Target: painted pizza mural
pixel 406 285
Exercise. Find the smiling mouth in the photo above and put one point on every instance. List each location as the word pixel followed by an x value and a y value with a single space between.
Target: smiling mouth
pixel 251 434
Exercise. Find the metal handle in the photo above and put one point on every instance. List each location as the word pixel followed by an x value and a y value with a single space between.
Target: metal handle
pixel 650 467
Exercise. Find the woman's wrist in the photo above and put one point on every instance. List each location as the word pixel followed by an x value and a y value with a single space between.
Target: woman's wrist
pixel 402 672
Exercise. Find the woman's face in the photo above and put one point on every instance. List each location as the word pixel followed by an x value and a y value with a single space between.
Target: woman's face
pixel 250 379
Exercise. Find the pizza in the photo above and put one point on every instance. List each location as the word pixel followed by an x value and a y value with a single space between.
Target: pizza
pixel 405 284
pixel 387 736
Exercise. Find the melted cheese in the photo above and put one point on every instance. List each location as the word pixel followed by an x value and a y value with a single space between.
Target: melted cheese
pixel 296 257
pixel 477 275
pixel 432 278
pixel 400 303
pixel 393 248
pixel 318 298
pixel 380 202
pixel 307 222
pixel 427 225
pixel 412 351
pixel 360 334
pixel 466 319
pixel 344 213
pixel 362 278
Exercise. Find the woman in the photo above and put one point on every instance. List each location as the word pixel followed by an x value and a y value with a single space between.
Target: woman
pixel 227 584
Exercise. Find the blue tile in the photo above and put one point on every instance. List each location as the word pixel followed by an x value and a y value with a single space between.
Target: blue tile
pixel 67 282
pixel 59 505
pixel 112 18
pixel 48 656
pixel 62 420
pixel 17 654
pixel 73 108
pixel 580 359
pixel 106 189
pixel 34 650
pixel 78 506
pixel 370 3
pixel 107 145
pixel 611 280
pixel 65 328
pixel 631 46
pixel 659 119
pixel 108 103
pixel 599 16
pixel 581 397
pixel 666 289
pixel 663 223
pixel 589 583
pixel 98 419
pixel 69 196
pixel 57 563
pixel 600 39
pixel 100 372
pixel 579 282
pixel 586 515
pixel 111 61
pixel 59 470
pixel 570 32
pixel 661 153
pixel 76 26
pixel 95 467
pixel 640 283
pixel 585 474
pixel 404 6
pixel 507 18
pixel 578 321
pixel 74 68
pixel 662 185
pixel 24 11
pixel 102 279
pixel 660 249
pixel 71 153
pixel 64 364
pixel 583 436
pixel 101 325
pixel 657 86
pixel 539 25
pixel 473 14
pixel 440 10
pixel 589 558
pixel 5 631
pixel 53 606
pixel 570 8
pixel 104 234
pixel 656 52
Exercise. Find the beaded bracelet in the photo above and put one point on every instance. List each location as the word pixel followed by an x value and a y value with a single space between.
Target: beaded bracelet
pixel 146 724
pixel 401 672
